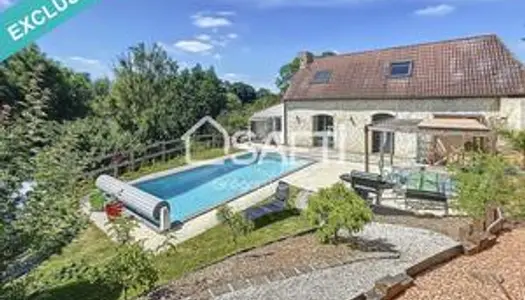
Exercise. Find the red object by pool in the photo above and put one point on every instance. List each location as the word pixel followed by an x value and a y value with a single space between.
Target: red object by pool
pixel 114 210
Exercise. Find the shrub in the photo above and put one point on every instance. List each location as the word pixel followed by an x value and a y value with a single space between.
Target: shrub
pixel 238 224
pixel 97 201
pixel 121 229
pixel 336 208
pixel 132 268
pixel 483 181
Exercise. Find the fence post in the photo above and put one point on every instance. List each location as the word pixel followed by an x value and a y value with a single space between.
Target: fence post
pixel 115 170
pixel 213 141
pixel 164 151
pixel 132 160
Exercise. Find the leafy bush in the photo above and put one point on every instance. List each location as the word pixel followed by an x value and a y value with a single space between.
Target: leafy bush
pixel 238 224
pixel 483 181
pixel 336 208
pixel 97 200
pixel 121 228
pixel 132 268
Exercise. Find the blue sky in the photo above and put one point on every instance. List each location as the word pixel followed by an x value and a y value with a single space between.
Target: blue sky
pixel 250 39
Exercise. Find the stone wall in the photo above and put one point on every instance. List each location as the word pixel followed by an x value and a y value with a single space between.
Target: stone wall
pixel 350 117
pixel 513 110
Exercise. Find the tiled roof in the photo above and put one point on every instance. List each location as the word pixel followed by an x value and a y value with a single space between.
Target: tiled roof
pixel 479 66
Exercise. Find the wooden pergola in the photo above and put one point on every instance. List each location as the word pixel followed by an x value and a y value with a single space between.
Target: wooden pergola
pixel 466 127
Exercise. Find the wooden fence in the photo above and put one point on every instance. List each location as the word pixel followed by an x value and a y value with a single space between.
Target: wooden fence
pixel 130 160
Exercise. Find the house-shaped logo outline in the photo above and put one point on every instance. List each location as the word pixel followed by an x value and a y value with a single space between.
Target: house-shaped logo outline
pixel 207 119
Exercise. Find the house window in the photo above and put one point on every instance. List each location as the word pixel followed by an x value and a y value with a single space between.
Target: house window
pixel 278 126
pixel 323 128
pixel 322 77
pixel 382 139
pixel 401 69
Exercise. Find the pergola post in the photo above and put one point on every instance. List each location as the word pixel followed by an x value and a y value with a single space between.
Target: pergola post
pixel 250 131
pixel 392 147
pixel 367 158
pixel 381 153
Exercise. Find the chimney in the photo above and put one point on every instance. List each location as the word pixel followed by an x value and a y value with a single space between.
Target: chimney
pixel 306 59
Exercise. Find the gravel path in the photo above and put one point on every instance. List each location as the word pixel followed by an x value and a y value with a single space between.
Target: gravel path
pixel 478 277
pixel 347 281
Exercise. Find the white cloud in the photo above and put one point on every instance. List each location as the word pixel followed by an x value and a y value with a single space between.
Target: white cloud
pixel 437 10
pixel 234 77
pixel 232 36
pixel 87 61
pixel 5 3
pixel 269 4
pixel 226 13
pixel 94 67
pixel 217 56
pixel 251 80
pixel 203 37
pixel 193 46
pixel 210 21
pixel 300 3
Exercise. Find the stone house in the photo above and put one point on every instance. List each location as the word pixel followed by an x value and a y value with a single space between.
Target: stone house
pixel 332 99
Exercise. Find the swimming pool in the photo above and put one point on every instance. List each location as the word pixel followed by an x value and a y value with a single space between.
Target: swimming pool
pixel 195 191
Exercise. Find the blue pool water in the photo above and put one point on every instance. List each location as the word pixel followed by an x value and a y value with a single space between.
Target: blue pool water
pixel 200 189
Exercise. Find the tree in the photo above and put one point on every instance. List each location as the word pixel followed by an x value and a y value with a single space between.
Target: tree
pixel 262 93
pixel 483 181
pixel 151 100
pixel 516 138
pixel 336 208
pixel 244 91
pixel 287 71
pixel 131 268
pixel 69 92
pixel 238 224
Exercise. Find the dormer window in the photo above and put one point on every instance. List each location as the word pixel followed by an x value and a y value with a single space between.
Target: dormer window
pixel 322 77
pixel 401 69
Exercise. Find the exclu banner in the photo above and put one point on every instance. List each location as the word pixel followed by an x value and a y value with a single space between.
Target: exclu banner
pixel 27 20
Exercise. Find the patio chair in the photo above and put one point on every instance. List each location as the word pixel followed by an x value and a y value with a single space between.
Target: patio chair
pixel 278 203
pixel 364 183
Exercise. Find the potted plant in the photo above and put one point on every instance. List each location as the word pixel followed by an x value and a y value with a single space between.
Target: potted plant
pixel 114 209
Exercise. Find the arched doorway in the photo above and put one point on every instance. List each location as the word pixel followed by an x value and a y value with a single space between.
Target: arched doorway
pixel 323 127
pixel 376 135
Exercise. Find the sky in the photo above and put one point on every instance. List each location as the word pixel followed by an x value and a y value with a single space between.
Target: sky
pixel 249 40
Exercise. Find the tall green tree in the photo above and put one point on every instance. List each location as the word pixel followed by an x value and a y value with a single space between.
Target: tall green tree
pixel 287 71
pixel 245 92
pixel 69 92
pixel 151 100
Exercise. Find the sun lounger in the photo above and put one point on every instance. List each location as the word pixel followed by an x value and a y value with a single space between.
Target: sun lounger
pixel 278 203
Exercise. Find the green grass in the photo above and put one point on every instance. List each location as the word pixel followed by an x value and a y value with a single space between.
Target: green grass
pixel 217 243
pixel 93 247
pixel 174 163
pixel 96 200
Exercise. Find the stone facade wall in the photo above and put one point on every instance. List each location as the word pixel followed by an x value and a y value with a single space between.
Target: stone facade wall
pixel 350 117
pixel 513 110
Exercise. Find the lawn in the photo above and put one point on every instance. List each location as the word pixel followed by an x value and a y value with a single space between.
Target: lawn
pixel 92 247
